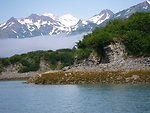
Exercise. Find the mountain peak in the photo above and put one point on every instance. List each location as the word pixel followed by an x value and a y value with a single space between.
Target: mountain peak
pixel 66 16
pixel 68 20
pixel 107 11
pixel 102 16
pixel 51 15
pixel 33 16
pixel 12 19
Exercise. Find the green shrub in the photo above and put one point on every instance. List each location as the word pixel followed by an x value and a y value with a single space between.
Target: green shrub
pixel 1 68
pixel 5 61
pixel 23 69
pixel 137 43
pixel 14 59
pixel 83 53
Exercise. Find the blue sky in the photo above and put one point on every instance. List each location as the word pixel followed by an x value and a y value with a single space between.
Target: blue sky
pixel 82 9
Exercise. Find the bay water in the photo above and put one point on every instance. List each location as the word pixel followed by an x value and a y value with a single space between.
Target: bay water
pixel 17 97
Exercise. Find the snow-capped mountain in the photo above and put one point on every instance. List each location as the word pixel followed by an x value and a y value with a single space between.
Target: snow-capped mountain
pixel 50 24
pixel 100 18
pixel 90 24
pixel 33 25
pixel 106 15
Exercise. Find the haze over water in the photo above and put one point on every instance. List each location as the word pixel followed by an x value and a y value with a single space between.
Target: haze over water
pixel 9 47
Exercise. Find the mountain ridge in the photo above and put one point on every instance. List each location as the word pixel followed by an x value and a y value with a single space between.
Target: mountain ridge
pixel 141 7
pixel 50 24
pixel 46 24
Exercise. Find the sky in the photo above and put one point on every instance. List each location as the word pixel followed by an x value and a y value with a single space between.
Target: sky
pixel 82 9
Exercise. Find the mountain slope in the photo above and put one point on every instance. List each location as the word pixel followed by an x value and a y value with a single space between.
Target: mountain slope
pixel 124 14
pixel 142 7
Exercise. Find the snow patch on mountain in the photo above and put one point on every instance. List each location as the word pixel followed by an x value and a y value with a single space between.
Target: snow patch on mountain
pixel 148 1
pixel 24 30
pixel 128 11
pixel 14 31
pixel 95 18
pixel 29 23
pixel 52 31
pixel 10 24
pixel 108 16
pixel 68 20
pixel 101 21
pixel 30 28
pixel 84 22
pixel 7 25
pixel 25 21
pixel 145 7
pixel 118 15
pixel 1 25
pixel 4 27
pixel 38 25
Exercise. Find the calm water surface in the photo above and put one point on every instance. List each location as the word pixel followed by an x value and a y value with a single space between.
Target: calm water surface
pixel 16 97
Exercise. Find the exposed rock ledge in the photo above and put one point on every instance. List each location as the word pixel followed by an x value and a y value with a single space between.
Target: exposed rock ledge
pixel 105 77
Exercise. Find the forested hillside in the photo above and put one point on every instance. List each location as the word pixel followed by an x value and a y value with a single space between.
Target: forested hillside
pixel 133 32
pixel 31 61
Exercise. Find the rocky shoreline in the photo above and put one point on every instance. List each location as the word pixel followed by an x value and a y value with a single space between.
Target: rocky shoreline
pixel 132 71
pixel 129 64
pixel 92 77
pixel 129 71
pixel 16 76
